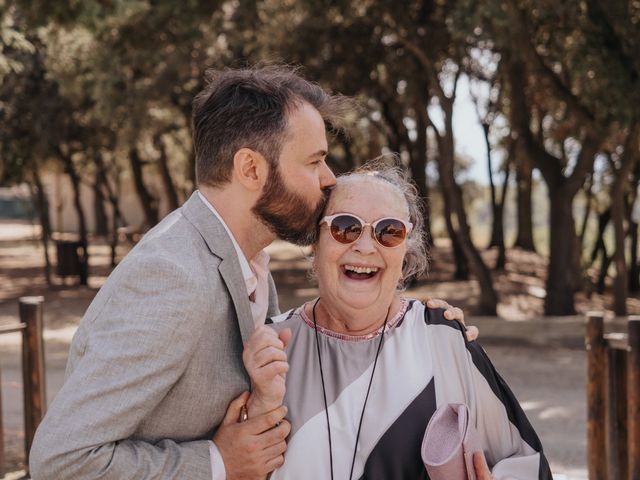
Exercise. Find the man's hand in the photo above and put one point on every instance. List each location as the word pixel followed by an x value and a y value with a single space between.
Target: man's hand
pixel 253 448
pixel 481 467
pixel 453 313
pixel 266 362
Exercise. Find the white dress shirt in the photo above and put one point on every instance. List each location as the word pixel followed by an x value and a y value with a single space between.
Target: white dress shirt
pixel 255 274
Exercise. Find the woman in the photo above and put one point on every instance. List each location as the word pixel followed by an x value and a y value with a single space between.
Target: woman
pixel 366 368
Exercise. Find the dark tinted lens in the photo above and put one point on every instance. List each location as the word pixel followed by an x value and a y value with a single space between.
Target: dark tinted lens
pixel 390 232
pixel 345 228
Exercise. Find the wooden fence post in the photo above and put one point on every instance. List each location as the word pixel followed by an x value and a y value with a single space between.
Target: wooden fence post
pixel 2 459
pixel 617 407
pixel 32 368
pixel 633 392
pixel 596 406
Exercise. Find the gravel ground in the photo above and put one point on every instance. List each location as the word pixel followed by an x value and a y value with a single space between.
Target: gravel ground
pixel 550 385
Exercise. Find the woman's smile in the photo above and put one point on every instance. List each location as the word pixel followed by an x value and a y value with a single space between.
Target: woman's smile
pixel 360 272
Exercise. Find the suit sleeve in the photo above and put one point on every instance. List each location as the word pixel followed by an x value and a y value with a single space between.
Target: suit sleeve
pixel 512 447
pixel 137 347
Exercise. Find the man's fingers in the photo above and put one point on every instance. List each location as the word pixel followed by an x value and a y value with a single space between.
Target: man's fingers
pixel 274 463
pixel 437 303
pixel 451 313
pixel 234 408
pixel 268 420
pixel 472 333
pixel 276 434
pixel 454 313
pixel 275 450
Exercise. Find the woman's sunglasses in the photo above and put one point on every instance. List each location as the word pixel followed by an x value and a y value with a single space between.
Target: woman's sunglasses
pixel 347 228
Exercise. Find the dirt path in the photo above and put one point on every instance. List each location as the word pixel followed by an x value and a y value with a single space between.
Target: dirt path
pixel 542 360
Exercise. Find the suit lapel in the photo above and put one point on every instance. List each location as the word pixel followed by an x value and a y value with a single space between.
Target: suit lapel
pixel 220 244
pixel 230 272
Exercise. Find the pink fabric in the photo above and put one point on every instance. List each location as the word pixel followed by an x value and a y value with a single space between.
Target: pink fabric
pixel 356 338
pixel 449 443
pixel 258 288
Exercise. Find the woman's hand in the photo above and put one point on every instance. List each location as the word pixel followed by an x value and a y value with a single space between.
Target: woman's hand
pixel 266 362
pixel 453 313
pixel 481 467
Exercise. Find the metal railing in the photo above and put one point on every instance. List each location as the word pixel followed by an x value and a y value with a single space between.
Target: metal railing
pixel 33 379
pixel 613 400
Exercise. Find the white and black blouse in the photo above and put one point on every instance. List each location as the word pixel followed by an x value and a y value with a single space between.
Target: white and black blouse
pixel 425 361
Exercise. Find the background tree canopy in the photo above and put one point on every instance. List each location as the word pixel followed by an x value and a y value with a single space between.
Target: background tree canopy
pixel 101 90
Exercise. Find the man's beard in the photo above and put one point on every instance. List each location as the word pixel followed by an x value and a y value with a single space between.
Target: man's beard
pixel 288 214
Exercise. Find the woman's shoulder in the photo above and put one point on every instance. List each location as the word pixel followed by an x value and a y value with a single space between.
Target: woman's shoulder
pixel 433 318
pixel 286 319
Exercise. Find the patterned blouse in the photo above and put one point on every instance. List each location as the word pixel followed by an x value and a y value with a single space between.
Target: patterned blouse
pixel 425 362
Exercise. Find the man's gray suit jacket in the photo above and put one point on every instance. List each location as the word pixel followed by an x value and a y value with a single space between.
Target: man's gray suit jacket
pixel 155 361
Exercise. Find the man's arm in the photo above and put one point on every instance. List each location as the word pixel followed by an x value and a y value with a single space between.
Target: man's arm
pixel 135 350
pixel 265 360
pixel 260 441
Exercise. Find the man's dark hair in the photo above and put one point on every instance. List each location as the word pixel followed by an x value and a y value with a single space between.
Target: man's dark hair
pixel 248 108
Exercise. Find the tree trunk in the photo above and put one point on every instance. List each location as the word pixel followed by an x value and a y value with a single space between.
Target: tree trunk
pixel 524 176
pixel 620 287
pixel 459 258
pixel 519 119
pixel 40 197
pixel 634 267
pixel 117 219
pixel 602 274
pixel 560 283
pixel 496 230
pixel 453 196
pixel 165 174
pixel 102 223
pixel 563 242
pixel 587 213
pixel 70 170
pixel 603 221
pixel 418 166
pixel 148 202
pixel 618 196
pixel 499 226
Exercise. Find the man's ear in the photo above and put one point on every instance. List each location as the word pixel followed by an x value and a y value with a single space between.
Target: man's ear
pixel 250 168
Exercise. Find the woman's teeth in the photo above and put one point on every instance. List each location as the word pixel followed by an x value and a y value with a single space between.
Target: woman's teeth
pixel 351 268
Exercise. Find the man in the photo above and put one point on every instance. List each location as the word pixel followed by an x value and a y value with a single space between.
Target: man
pixel 157 358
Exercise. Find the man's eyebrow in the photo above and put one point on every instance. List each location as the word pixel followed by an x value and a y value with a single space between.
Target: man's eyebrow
pixel 319 153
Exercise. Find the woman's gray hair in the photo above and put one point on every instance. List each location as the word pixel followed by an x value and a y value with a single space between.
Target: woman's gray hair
pixel 416 259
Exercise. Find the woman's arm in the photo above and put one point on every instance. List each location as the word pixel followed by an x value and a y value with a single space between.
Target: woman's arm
pixel 266 362
pixel 512 447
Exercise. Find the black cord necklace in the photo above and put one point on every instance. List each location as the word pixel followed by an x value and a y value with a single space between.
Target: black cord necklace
pixel 324 390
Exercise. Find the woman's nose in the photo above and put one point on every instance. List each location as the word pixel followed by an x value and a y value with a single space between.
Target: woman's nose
pixel 366 243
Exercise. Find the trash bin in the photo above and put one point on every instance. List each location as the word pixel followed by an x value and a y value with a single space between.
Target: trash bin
pixel 69 263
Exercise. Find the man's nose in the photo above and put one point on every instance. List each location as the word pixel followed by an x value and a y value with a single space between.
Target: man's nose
pixel 327 178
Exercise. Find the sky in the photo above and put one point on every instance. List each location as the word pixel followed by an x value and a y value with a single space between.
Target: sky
pixel 468 133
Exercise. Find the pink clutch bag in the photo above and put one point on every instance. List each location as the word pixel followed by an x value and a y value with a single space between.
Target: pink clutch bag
pixel 449 443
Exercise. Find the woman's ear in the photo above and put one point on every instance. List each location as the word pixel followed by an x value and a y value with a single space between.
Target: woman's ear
pixel 250 168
